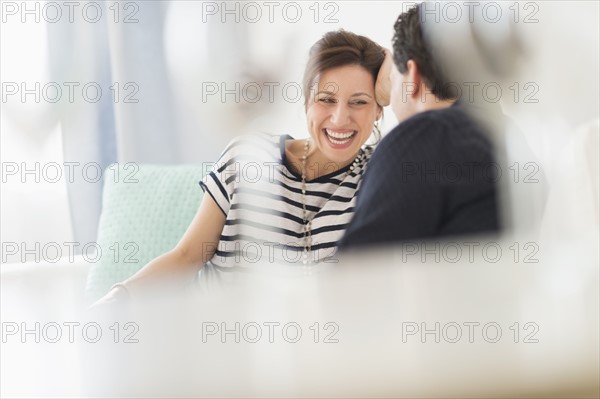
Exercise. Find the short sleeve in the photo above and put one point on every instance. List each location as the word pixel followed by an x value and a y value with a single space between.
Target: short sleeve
pixel 221 181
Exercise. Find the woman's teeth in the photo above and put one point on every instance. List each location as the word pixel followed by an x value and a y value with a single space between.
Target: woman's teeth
pixel 340 138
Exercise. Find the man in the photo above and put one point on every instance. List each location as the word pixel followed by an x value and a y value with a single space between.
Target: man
pixel 434 175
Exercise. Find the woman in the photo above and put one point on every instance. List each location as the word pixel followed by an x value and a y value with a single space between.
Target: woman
pixel 295 208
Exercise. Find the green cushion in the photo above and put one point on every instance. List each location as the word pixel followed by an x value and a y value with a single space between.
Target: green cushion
pixel 144 214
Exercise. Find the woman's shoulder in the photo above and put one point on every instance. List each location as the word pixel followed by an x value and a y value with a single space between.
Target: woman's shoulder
pixel 257 143
pixel 257 139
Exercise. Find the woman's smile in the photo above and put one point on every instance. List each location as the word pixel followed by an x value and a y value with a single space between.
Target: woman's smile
pixel 340 138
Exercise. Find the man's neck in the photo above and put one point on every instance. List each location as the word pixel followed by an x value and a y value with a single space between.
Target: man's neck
pixel 432 103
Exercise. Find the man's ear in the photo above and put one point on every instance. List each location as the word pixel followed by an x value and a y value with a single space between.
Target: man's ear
pixel 413 76
pixel 382 83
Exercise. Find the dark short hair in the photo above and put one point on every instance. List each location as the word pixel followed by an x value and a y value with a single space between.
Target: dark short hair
pixel 341 48
pixel 409 43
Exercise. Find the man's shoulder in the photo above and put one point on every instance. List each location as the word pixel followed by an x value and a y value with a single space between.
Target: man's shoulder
pixel 448 127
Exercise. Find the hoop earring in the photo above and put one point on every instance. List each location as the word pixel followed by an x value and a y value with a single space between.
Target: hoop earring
pixel 377 131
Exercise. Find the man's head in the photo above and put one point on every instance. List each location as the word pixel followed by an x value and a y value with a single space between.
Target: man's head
pixel 417 81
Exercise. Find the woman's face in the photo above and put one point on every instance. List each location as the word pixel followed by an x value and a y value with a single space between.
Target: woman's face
pixel 341 112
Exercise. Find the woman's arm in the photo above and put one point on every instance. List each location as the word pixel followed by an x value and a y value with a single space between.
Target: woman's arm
pixel 180 264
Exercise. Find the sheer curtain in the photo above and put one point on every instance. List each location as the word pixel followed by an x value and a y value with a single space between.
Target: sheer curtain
pixel 136 117
pixel 95 83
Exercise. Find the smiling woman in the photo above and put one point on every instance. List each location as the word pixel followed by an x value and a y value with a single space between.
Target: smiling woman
pixel 341 114
pixel 280 200
pixel 340 98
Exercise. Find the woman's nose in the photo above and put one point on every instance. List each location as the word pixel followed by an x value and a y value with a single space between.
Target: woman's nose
pixel 340 114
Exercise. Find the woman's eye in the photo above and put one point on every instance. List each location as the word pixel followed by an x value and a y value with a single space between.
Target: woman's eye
pixel 326 100
pixel 360 102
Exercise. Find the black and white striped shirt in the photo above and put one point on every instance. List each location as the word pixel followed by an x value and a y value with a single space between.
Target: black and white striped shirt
pixel 261 197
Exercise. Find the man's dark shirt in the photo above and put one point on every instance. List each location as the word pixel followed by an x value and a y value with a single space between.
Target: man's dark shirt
pixel 434 175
